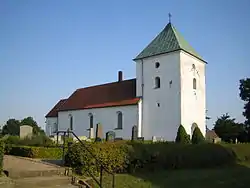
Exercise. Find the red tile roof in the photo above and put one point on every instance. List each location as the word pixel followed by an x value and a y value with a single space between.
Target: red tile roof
pixel 120 93
pixel 54 111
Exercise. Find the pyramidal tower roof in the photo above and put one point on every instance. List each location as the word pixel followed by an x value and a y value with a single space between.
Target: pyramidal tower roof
pixel 169 40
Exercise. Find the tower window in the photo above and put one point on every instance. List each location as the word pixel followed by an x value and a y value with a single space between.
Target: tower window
pixel 157 65
pixel 194 83
pixel 157 82
pixel 91 123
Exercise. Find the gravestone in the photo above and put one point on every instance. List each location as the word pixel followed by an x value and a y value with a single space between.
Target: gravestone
pixel 134 132
pixel 91 133
pixel 25 131
pixel 154 139
pixel 99 131
pixel 110 136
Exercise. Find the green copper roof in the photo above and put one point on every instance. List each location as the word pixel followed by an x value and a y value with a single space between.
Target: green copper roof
pixel 167 41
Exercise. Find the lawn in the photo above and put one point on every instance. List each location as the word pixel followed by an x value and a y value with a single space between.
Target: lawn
pixel 230 177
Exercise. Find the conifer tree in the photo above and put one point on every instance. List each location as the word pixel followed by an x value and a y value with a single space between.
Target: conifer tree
pixel 197 136
pixel 182 136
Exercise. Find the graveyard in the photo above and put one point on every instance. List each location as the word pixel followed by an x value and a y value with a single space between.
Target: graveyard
pixel 187 162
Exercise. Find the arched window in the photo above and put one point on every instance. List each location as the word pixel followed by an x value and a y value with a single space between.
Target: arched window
pixel 91 121
pixel 194 83
pixel 157 82
pixel 193 127
pixel 71 122
pixel 119 120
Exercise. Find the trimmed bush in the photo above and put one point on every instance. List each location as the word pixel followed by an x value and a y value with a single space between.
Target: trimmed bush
pixel 131 156
pixel 113 156
pixel 1 156
pixel 36 152
pixel 197 136
pixel 182 136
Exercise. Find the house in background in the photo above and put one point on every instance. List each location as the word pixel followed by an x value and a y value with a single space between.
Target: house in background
pixel 169 90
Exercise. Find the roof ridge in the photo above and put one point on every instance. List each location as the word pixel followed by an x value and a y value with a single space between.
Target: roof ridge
pixel 104 84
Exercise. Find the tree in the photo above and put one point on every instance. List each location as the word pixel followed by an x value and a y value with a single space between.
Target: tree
pixel 31 122
pixel 245 96
pixel 12 127
pixel 182 136
pixel 197 136
pixel 227 129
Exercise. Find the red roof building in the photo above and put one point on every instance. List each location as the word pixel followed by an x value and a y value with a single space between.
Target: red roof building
pixel 120 93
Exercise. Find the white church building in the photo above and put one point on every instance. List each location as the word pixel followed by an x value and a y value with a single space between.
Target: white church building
pixel 169 90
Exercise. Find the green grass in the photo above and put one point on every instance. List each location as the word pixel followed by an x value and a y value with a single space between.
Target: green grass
pixel 230 177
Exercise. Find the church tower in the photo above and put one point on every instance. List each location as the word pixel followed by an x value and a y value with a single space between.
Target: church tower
pixel 170 80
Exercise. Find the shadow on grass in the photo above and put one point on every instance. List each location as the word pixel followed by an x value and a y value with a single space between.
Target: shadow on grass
pixel 236 176
pixel 195 166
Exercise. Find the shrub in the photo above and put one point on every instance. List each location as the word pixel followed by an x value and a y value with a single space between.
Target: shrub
pixel 12 140
pixel 197 136
pixel 1 156
pixel 113 156
pixel 182 136
pixel 36 152
pixel 36 140
pixel 130 156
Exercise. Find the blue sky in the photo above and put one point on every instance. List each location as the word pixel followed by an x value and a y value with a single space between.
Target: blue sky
pixel 50 48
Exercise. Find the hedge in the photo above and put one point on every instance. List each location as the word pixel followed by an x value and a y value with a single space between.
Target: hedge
pixel 130 156
pixel 113 156
pixel 1 156
pixel 35 152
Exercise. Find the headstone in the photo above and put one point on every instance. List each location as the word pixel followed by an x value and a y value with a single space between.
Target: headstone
pixel 26 131
pixel 110 136
pixel 154 139
pixel 134 132
pixel 99 132
pixel 91 133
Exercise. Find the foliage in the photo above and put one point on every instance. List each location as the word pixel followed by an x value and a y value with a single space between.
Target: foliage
pixel 1 156
pixel 39 140
pixel 227 129
pixel 133 156
pixel 12 127
pixel 31 122
pixel 182 136
pixel 235 177
pixel 245 96
pixel 197 137
pixel 113 156
pixel 36 152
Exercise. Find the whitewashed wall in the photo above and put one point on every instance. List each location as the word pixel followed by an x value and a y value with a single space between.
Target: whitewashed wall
pixel 107 117
pixel 178 104
pixel 162 121
pixel 51 125
pixel 193 101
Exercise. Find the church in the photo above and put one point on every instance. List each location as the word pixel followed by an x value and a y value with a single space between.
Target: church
pixel 169 90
